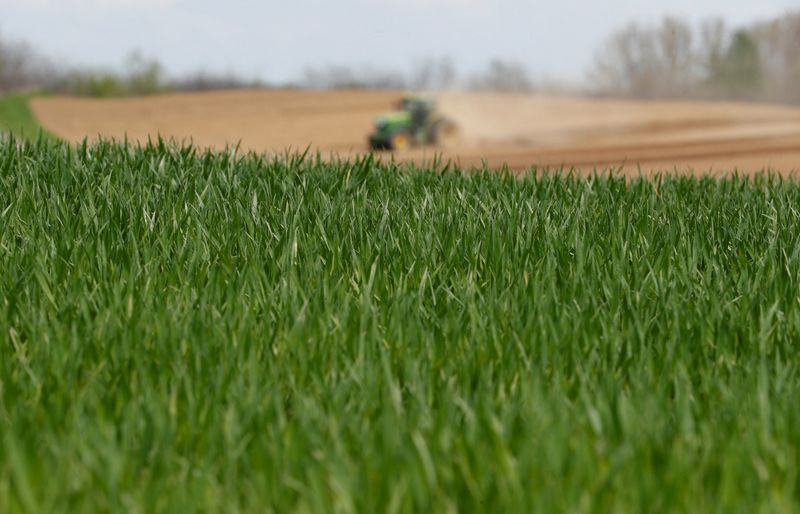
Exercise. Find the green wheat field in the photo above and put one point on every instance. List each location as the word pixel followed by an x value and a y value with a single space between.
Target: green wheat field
pixel 195 331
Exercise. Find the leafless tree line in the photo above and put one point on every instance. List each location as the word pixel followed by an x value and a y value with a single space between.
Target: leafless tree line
pixel 711 61
pixel 673 59
pixel 426 74
pixel 23 68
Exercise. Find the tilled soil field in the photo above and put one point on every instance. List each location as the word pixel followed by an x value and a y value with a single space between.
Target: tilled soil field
pixel 499 129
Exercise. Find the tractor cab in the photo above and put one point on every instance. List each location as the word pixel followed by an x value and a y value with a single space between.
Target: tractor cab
pixel 419 108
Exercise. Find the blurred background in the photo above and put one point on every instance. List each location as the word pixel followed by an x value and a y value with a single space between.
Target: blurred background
pixel 534 53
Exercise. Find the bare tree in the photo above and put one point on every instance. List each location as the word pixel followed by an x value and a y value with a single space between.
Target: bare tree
pixel 21 67
pixel 678 59
pixel 714 37
pixel 433 74
pixel 647 62
pixel 344 77
pixel 143 76
pixel 779 50
pixel 206 81
pixel 503 76
pixel 622 65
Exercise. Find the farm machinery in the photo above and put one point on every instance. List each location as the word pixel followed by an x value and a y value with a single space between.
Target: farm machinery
pixel 415 123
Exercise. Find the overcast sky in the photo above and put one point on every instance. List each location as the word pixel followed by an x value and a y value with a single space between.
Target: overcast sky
pixel 278 39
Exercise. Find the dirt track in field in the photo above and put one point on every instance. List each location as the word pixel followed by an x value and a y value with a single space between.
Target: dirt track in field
pixel 517 130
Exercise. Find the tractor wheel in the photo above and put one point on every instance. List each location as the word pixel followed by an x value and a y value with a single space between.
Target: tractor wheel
pixel 400 141
pixel 444 133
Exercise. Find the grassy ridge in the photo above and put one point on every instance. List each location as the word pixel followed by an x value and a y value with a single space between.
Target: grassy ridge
pixel 185 332
pixel 16 117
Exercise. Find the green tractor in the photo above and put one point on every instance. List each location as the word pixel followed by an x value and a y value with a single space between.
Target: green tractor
pixel 416 123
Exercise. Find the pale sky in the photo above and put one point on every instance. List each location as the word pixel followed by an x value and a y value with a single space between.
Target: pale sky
pixel 276 40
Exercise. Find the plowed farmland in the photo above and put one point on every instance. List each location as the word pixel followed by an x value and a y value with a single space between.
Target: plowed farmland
pixel 517 130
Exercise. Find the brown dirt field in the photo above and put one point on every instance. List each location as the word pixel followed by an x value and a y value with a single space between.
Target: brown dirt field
pixel 516 130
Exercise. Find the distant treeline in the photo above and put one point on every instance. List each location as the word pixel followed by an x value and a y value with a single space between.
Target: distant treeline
pixel 24 68
pixel 711 61
pixel 673 59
